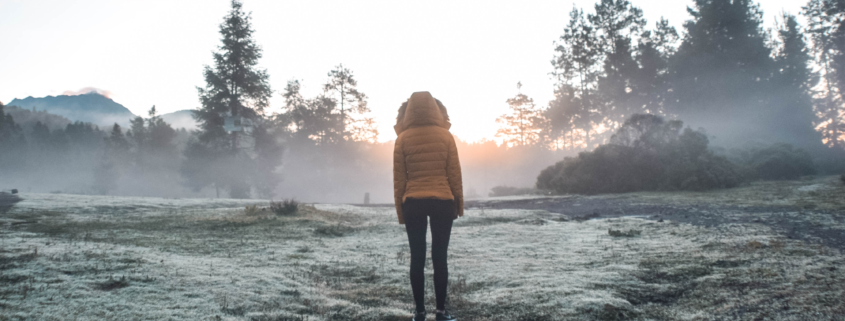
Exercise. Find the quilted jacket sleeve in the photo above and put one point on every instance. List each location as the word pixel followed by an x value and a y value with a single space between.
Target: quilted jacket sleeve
pixel 400 177
pixel 453 172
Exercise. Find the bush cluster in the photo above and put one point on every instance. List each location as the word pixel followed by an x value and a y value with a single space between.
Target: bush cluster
pixel 7 201
pixel 286 207
pixel 774 162
pixel 645 154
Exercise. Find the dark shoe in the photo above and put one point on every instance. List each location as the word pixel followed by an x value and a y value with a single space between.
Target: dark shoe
pixel 445 316
pixel 419 316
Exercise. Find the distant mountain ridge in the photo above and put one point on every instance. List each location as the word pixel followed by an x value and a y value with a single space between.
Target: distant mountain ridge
pixel 90 108
pixel 181 119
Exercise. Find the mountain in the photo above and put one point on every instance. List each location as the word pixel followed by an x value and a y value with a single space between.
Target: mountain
pixel 91 108
pixel 181 119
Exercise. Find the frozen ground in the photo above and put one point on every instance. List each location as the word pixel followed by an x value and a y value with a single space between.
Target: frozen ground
pixel 698 256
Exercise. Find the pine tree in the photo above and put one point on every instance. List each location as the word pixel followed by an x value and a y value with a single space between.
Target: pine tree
pixel 576 66
pixel 792 110
pixel 343 89
pixel 235 87
pixel 520 126
pixel 116 140
pixel 722 70
pixel 617 23
pixel 238 91
pixel 314 119
pixel 654 49
pixel 11 134
pixel 823 23
pixel 561 116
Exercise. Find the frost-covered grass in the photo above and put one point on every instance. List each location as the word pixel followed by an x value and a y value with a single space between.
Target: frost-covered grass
pixel 66 257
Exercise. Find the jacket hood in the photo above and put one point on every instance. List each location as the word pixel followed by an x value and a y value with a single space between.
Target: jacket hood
pixel 422 110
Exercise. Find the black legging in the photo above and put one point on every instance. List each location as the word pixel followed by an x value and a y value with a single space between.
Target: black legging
pixel 442 212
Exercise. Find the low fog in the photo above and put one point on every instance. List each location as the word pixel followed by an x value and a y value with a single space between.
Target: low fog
pixel 759 104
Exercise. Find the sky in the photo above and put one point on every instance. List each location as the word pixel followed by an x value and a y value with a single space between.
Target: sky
pixel 468 54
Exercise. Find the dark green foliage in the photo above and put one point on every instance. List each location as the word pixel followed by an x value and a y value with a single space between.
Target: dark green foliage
pixel 286 207
pixel 791 106
pixel 576 67
pixel 12 139
pixel 27 119
pixel 781 161
pixel 235 85
pixel 608 67
pixel 237 91
pixel 646 154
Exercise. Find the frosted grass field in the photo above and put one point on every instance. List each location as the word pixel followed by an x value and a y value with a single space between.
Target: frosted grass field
pixel 74 257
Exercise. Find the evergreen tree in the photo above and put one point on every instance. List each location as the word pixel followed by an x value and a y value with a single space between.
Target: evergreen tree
pixel 342 88
pixel 41 135
pixel 823 25
pixel 11 136
pixel 576 65
pixel 236 92
pixel 314 119
pixel 560 118
pixel 653 52
pixel 617 22
pixel 520 126
pixel 235 87
pixel 160 135
pixel 116 140
pixel 793 84
pixel 722 71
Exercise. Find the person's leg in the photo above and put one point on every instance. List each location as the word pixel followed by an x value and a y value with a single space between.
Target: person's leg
pixel 416 225
pixel 441 230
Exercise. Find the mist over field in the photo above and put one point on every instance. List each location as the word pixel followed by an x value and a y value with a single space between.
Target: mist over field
pixel 689 173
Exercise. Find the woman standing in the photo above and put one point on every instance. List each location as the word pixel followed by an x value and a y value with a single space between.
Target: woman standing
pixel 427 183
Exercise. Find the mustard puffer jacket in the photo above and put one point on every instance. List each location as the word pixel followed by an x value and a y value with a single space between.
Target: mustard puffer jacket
pixel 425 157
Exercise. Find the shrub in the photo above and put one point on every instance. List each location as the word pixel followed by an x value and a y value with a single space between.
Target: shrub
pixel 7 201
pixel 286 207
pixel 332 230
pixel 646 154
pixel 780 161
pixel 251 210
pixel 842 178
pixel 621 233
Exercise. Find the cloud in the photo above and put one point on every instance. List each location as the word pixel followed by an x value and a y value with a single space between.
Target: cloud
pixel 87 90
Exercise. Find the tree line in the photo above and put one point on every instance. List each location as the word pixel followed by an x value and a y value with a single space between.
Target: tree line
pixel 725 73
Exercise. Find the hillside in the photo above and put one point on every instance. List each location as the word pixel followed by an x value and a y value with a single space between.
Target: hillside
pixel 27 118
pixel 91 108
pixel 180 119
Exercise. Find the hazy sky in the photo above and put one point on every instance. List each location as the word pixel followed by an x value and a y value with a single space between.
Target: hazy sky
pixel 469 54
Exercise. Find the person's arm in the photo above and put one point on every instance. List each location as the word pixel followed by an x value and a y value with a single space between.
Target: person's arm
pixel 453 172
pixel 400 177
